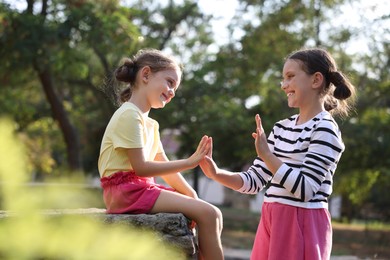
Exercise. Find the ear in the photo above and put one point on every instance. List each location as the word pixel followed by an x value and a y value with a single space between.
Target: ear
pixel 318 80
pixel 145 74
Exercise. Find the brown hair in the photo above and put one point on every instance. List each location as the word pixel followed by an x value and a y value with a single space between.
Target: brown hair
pixel 155 59
pixel 339 92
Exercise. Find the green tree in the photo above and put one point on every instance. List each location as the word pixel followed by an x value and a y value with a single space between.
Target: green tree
pixel 364 174
pixel 68 49
pixel 57 47
pixel 216 97
pixel 243 70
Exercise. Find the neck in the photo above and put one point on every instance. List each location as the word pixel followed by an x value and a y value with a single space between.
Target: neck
pixel 140 103
pixel 307 114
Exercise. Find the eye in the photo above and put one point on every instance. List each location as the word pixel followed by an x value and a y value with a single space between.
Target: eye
pixel 171 83
pixel 288 77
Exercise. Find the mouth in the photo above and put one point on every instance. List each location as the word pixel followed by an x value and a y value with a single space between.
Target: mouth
pixel 165 98
pixel 290 94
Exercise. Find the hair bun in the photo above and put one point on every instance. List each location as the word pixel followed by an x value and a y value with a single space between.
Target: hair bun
pixel 342 90
pixel 336 78
pixel 125 72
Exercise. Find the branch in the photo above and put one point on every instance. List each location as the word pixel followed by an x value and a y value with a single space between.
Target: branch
pixel 176 22
pixel 44 8
pixel 30 6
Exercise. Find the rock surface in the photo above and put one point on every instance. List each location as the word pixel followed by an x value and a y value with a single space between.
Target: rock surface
pixel 172 227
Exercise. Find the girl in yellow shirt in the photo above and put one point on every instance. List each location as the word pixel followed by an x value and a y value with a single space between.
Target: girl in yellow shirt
pixel 131 153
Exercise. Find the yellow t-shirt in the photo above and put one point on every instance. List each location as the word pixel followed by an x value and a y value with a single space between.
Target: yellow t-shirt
pixel 128 128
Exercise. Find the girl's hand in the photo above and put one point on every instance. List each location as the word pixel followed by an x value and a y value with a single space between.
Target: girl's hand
pixel 201 151
pixel 260 137
pixel 208 165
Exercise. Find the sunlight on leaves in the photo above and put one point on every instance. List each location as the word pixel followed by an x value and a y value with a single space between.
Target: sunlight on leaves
pixel 28 233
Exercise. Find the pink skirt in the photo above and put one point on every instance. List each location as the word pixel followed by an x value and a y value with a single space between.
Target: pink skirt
pixel 287 232
pixel 125 192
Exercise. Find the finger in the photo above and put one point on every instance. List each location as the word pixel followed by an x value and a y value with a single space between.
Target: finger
pixel 258 121
pixel 199 144
pixel 206 148
pixel 203 140
pixel 202 143
pixel 207 144
pixel 211 147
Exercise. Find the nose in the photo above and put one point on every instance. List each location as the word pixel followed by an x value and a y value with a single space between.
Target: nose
pixel 283 84
pixel 171 93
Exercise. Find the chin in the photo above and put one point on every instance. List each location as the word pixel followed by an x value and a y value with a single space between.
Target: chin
pixel 161 105
pixel 292 105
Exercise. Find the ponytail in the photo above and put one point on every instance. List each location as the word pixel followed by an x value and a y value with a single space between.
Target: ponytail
pixel 343 88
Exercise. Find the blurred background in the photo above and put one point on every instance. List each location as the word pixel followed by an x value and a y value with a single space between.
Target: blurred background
pixel 57 59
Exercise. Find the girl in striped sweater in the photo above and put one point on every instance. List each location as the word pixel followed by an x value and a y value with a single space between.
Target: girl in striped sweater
pixel 297 161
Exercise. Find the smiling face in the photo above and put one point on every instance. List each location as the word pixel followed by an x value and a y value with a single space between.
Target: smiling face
pixel 297 84
pixel 162 86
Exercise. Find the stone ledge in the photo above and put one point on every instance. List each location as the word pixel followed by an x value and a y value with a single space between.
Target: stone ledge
pixel 172 227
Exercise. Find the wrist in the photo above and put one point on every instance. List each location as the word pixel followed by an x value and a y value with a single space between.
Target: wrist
pixel 188 164
pixel 266 156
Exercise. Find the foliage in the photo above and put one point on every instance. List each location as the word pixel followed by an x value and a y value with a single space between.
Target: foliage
pixel 363 170
pixel 28 234
pixel 79 43
pixel 70 48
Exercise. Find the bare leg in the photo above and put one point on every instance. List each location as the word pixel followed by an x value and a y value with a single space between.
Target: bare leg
pixel 207 217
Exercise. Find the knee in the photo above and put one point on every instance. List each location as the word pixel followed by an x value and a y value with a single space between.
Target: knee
pixel 219 218
pixel 218 214
pixel 212 216
pixel 213 212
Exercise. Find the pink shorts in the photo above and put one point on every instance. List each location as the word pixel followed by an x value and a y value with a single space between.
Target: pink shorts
pixel 125 192
pixel 287 232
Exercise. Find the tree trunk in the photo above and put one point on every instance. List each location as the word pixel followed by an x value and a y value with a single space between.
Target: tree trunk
pixel 59 114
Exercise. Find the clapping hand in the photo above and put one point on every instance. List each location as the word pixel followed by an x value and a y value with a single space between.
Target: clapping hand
pixel 208 165
pixel 260 138
pixel 204 147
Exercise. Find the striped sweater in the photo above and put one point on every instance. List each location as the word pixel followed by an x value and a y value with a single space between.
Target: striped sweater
pixel 310 153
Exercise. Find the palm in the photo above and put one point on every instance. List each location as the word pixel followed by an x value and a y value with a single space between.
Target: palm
pixel 260 138
pixel 202 150
pixel 208 165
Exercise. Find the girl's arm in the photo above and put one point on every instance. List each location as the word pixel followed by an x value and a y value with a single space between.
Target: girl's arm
pixel 256 177
pixel 229 179
pixel 324 151
pixel 272 162
pixel 176 180
pixel 145 168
